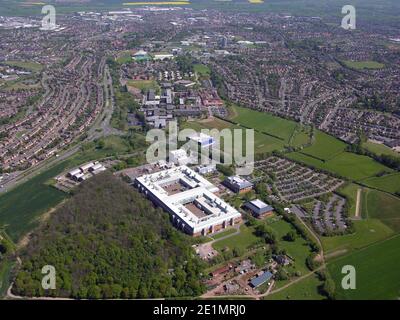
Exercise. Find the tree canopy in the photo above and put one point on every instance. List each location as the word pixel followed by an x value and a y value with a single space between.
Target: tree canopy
pixel 108 241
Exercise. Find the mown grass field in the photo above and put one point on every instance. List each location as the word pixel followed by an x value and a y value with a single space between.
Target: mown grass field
pixel 350 190
pixel 346 164
pixel 124 57
pixel 264 122
pixel 361 65
pixel 380 149
pixel 377 272
pixel 324 146
pixel 243 241
pixel 27 65
pixel 21 207
pixel 143 84
pixel 306 289
pixel 202 70
pixel 389 183
pixel 382 206
pixel 366 232
pixel 223 233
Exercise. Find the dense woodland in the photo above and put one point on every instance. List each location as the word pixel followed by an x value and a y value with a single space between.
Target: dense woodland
pixel 108 241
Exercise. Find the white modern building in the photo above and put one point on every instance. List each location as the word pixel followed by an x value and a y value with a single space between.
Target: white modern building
pixel 179 157
pixel 163 56
pixel 202 140
pixel 86 171
pixel 189 199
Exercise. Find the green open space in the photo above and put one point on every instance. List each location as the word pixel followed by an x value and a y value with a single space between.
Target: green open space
pixel 360 65
pixel 389 183
pixel 377 272
pixel 202 70
pixel 124 57
pixel 380 214
pixel 21 207
pixel 366 232
pixel 143 84
pixel 380 149
pixel 350 165
pixel 324 146
pixel 264 122
pixel 243 241
pixel 350 191
pixel 306 289
pixel 223 233
pixel 26 65
pixel 382 206
pixel 298 250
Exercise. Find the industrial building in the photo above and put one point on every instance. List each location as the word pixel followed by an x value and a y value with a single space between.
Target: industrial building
pixel 85 171
pixel 258 208
pixel 238 184
pixel 189 199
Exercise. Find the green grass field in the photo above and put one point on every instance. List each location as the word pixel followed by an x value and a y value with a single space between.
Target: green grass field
pixel 243 241
pixel 264 122
pixel 21 207
pixel 380 149
pixel 346 164
pixel 377 272
pixel 354 166
pixel 324 147
pixel 223 233
pixel 361 65
pixel 350 190
pixel 143 84
pixel 202 70
pixel 124 57
pixel 389 183
pixel 306 289
pixel 300 138
pixel 27 65
pixel 366 232
pixel 382 206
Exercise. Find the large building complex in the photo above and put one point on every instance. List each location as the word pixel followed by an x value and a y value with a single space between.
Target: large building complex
pixel 189 199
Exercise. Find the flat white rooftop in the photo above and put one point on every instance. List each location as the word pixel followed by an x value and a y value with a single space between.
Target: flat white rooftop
pixel 259 204
pixel 189 196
